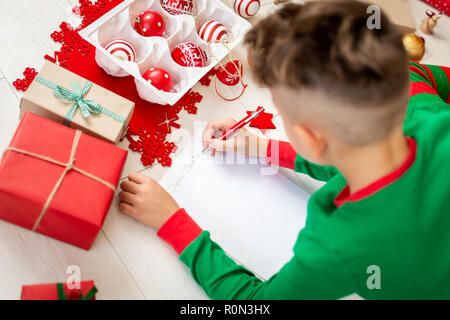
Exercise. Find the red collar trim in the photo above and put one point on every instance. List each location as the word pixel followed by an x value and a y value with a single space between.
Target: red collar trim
pixel 345 195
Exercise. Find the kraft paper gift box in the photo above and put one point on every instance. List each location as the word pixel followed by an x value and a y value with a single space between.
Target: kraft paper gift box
pixel 62 96
pixel 59 291
pixel 57 181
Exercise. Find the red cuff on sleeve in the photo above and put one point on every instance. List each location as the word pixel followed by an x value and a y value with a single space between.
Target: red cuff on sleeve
pixel 179 231
pixel 421 87
pixel 281 154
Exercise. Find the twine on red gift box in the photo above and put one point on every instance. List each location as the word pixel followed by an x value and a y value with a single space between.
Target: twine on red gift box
pixel 68 167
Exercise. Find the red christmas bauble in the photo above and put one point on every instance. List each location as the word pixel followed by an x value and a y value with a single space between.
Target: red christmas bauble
pixel 229 74
pixel 189 55
pixel 150 24
pixel 159 78
pixel 176 7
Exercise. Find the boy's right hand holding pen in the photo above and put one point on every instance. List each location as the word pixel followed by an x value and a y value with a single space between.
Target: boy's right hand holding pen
pixel 243 142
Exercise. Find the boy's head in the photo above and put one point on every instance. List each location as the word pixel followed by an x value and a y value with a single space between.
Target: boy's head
pixel 336 82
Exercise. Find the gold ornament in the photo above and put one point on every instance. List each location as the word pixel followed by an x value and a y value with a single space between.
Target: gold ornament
pixel 415 46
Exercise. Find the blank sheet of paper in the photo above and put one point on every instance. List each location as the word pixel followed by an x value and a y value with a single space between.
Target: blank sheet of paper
pixel 253 213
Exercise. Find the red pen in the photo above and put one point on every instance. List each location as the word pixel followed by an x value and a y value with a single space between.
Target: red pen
pixel 237 126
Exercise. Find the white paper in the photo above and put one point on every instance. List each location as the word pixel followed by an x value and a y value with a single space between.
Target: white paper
pixel 254 217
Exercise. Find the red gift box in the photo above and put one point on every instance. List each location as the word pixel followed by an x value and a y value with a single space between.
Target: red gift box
pixel 59 291
pixel 57 181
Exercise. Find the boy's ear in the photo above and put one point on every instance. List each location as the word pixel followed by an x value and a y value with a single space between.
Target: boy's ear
pixel 313 142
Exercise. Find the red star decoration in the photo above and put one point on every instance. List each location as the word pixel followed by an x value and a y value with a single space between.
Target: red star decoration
pixel 263 121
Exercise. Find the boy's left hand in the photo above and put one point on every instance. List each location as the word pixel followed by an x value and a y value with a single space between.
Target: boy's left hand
pixel 145 200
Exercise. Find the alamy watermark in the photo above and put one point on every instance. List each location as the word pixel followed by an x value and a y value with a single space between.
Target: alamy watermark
pixel 74 279
pixel 374 280
pixel 374 20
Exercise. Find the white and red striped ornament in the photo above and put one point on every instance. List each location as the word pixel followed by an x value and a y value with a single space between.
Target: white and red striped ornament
pixel 246 8
pixel 213 31
pixel 176 7
pixel 121 50
pixel 189 55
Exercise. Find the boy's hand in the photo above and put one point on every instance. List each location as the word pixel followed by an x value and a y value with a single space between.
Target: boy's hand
pixel 243 142
pixel 145 200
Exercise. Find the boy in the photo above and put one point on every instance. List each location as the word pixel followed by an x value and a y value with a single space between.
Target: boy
pixel 376 132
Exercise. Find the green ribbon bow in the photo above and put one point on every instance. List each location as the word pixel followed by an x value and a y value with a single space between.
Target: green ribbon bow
pixel 62 295
pixel 87 107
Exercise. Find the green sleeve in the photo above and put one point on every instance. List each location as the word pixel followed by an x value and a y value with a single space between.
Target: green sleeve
pixel 313 273
pixel 429 93
pixel 437 77
pixel 318 172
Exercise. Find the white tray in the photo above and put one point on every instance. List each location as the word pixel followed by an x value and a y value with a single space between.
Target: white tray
pixel 156 51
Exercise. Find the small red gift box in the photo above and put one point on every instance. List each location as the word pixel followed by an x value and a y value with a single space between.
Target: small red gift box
pixel 85 290
pixel 57 181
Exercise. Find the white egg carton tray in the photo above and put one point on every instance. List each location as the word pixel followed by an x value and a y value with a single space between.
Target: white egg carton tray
pixel 117 24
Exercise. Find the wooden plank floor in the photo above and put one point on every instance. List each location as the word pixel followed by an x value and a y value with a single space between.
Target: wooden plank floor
pixel 127 260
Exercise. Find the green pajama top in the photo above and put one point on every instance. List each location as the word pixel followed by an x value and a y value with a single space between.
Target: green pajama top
pixel 390 240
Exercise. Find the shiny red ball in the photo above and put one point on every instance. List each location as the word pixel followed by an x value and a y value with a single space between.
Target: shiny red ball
pixel 189 55
pixel 159 78
pixel 150 24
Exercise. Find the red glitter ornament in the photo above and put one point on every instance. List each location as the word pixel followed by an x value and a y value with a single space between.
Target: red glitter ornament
pixel 150 24
pixel 159 78
pixel 189 55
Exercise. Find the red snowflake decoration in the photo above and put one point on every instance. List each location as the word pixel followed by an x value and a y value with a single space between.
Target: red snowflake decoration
pixel 58 59
pixel 150 123
pixel 206 81
pixel 23 84
pixel 168 121
pixel 153 146
pixel 188 102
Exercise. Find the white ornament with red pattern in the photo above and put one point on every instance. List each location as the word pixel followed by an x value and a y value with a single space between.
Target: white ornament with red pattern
pixel 176 7
pixel 189 55
pixel 121 50
pixel 246 8
pixel 213 32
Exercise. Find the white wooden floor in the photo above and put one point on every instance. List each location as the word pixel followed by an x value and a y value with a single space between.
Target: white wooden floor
pixel 127 260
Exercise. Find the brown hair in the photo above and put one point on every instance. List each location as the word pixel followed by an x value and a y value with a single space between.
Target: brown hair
pixel 327 46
